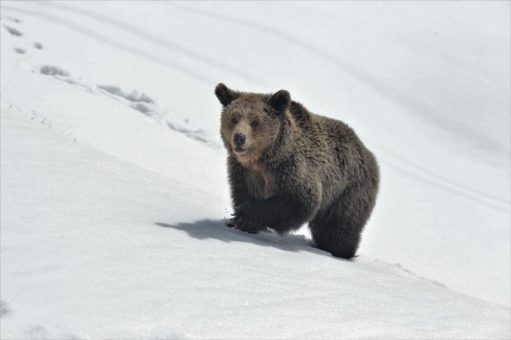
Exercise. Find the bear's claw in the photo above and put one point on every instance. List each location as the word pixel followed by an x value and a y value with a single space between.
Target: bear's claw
pixel 236 223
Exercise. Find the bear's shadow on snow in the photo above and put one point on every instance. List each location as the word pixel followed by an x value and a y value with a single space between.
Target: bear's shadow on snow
pixel 218 230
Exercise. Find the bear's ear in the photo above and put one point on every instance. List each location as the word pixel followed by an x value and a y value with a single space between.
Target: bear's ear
pixel 280 100
pixel 225 95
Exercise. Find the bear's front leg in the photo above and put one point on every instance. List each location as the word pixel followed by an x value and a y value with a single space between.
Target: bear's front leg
pixel 281 213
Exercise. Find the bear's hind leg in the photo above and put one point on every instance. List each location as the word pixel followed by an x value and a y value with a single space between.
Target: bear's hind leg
pixel 331 233
pixel 337 228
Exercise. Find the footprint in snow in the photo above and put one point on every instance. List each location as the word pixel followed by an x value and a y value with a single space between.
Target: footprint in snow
pixel 4 309
pixel 19 50
pixel 133 96
pixel 13 31
pixel 36 116
pixel 38 45
pixel 138 101
pixel 141 108
pixel 53 71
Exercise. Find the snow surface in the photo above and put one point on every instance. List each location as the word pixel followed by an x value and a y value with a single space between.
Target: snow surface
pixel 113 180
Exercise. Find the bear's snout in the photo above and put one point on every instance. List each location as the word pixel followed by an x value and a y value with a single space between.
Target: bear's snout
pixel 239 139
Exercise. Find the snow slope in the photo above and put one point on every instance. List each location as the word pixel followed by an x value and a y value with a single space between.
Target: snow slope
pixel 102 248
pixel 111 161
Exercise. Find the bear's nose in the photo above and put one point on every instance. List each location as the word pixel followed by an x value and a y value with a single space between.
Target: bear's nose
pixel 239 139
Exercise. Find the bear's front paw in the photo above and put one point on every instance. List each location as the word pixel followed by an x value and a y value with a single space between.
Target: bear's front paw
pixel 237 223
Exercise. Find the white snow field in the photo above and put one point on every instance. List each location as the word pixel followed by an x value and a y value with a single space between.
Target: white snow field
pixel 113 182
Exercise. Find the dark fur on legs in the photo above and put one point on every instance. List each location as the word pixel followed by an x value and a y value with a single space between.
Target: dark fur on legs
pixel 337 229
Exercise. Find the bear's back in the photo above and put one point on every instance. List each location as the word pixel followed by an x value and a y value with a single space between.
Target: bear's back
pixel 335 153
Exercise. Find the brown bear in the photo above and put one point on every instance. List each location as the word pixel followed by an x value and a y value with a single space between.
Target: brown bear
pixel 288 166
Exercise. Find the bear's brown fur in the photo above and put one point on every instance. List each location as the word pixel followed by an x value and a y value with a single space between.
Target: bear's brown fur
pixel 288 166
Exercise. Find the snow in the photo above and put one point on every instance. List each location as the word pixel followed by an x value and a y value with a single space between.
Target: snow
pixel 113 179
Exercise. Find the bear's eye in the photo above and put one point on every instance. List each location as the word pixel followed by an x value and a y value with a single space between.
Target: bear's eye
pixel 255 124
pixel 234 120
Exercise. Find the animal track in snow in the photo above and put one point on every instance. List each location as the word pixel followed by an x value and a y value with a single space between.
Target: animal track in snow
pixel 19 50
pixel 38 45
pixel 136 100
pixel 133 96
pixel 53 71
pixel 41 119
pixel 194 134
pixel 4 309
pixel 141 107
pixel 146 105
pixel 13 31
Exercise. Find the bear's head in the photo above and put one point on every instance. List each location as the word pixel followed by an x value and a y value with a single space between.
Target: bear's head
pixel 251 122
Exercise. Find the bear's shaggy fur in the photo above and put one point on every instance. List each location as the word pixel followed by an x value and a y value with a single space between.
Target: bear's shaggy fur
pixel 288 166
